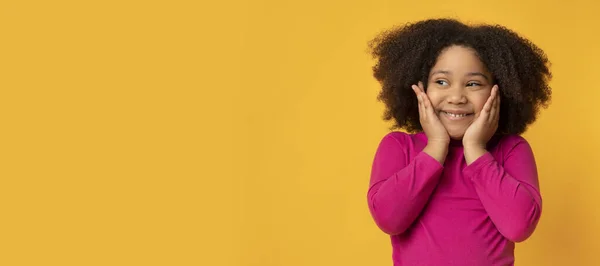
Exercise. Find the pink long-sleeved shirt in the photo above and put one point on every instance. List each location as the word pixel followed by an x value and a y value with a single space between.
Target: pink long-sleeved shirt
pixel 454 214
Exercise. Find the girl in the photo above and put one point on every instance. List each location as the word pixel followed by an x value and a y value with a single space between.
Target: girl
pixel 461 187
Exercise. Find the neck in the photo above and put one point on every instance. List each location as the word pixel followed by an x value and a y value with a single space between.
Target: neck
pixel 456 142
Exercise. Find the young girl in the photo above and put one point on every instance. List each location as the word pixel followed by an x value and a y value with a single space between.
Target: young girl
pixel 461 187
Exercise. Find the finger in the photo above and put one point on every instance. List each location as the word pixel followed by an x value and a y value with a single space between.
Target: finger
pixel 497 115
pixel 494 105
pixel 415 89
pixel 494 96
pixel 425 100
pixel 421 86
pixel 488 104
pixel 422 113
pixel 418 94
pixel 419 100
pixel 428 105
pixel 498 98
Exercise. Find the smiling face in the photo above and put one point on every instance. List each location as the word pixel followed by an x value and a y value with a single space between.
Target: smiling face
pixel 459 85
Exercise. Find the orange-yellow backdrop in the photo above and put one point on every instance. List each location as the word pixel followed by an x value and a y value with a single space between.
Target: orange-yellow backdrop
pixel 242 132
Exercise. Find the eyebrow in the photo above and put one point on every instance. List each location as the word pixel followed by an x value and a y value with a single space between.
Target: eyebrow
pixel 468 74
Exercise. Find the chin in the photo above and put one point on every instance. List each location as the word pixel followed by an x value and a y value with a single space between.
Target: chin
pixel 456 134
pixel 456 137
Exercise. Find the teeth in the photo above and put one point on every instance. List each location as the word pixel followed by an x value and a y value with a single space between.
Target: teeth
pixel 456 115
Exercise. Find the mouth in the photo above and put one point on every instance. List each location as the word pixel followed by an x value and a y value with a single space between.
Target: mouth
pixel 456 115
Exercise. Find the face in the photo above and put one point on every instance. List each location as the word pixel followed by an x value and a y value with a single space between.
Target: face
pixel 459 85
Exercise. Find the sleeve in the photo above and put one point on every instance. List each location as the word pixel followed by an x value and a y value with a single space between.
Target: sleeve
pixel 399 189
pixel 510 194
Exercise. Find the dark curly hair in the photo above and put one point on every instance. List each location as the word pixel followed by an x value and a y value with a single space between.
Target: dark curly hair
pixel 405 55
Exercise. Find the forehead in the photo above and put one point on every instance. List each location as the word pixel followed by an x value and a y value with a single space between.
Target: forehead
pixel 459 59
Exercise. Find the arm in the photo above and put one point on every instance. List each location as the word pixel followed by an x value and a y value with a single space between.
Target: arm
pixel 400 189
pixel 510 193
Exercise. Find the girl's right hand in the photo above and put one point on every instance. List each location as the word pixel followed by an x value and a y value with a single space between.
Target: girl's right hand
pixel 433 127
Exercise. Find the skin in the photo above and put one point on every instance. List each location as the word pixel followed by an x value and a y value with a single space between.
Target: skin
pixel 461 103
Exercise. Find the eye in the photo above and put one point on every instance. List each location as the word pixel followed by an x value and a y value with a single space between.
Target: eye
pixel 472 84
pixel 441 82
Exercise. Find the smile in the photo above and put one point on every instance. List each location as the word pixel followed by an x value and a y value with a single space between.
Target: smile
pixel 455 116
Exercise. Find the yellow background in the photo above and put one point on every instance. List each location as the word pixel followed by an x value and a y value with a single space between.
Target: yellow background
pixel 242 132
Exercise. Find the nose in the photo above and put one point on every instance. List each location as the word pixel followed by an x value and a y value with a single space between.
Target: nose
pixel 456 95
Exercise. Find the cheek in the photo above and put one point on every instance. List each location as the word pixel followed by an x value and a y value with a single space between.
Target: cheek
pixel 478 107
pixel 478 102
pixel 435 98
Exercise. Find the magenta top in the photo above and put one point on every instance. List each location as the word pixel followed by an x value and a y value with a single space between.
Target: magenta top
pixel 454 214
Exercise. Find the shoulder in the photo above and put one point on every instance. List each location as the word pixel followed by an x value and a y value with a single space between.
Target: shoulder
pixel 396 137
pixel 395 150
pixel 508 145
pixel 407 143
pixel 403 138
pixel 511 141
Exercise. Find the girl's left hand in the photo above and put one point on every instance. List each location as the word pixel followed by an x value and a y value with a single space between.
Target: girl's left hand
pixel 486 124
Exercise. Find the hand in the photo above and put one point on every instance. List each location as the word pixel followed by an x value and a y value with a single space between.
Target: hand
pixel 434 130
pixel 486 124
pixel 437 136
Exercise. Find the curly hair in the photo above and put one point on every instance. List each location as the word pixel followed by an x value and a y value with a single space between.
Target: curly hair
pixel 405 55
